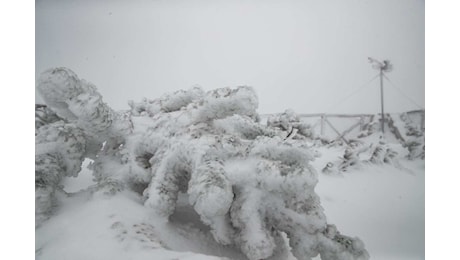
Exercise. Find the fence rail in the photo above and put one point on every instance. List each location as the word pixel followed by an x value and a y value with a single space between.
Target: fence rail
pixel 361 122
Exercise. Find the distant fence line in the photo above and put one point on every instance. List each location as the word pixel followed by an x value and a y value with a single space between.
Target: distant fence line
pixel 362 121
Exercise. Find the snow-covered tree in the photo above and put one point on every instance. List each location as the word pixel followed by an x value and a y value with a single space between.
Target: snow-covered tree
pixel 59 152
pixel 290 122
pixel 382 153
pixel 350 158
pixel 248 182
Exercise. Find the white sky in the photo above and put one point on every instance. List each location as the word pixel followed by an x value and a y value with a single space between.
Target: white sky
pixel 304 55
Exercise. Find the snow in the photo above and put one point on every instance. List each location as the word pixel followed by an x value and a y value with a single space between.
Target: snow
pixel 381 204
pixel 178 182
pixel 103 228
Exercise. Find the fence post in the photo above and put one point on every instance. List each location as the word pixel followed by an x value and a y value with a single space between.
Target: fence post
pixel 361 123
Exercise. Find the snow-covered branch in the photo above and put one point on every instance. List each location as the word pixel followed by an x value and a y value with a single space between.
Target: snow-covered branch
pixel 248 182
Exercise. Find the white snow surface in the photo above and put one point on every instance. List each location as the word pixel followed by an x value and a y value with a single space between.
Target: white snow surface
pixel 383 205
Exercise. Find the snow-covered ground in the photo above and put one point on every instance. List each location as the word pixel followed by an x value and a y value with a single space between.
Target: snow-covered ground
pixel 381 204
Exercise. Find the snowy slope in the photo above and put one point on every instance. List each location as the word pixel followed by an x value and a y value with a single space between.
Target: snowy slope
pixel 381 204
pixel 118 227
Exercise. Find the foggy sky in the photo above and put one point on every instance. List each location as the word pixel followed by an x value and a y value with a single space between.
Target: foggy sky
pixel 304 55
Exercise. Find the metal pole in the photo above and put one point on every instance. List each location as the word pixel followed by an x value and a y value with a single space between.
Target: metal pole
pixel 381 99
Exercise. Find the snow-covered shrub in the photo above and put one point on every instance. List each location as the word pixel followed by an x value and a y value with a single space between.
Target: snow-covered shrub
pixel 44 116
pixel 78 102
pixel 355 156
pixel 383 154
pixel 247 182
pixel 416 149
pixel 415 141
pixel 242 126
pixel 289 121
pixel 59 152
pixel 167 103
pixel 224 102
pixel 350 158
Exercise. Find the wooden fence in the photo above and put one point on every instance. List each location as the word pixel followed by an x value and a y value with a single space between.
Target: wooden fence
pixel 359 122
pixel 323 122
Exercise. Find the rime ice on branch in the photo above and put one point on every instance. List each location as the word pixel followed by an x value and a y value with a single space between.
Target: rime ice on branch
pixel 59 152
pixel 247 181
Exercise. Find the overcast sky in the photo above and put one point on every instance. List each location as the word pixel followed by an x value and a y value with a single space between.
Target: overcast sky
pixel 307 55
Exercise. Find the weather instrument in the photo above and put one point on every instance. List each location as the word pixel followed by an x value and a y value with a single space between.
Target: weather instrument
pixel 382 66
